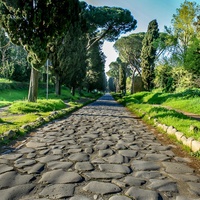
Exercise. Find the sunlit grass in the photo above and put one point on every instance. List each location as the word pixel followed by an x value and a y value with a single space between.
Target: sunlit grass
pixel 42 105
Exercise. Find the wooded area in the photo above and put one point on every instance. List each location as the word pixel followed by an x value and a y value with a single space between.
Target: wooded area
pixel 70 34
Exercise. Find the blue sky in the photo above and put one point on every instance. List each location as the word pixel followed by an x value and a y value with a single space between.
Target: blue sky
pixel 143 11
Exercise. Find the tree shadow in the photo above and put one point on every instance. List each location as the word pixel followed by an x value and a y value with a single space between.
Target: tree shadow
pixel 163 113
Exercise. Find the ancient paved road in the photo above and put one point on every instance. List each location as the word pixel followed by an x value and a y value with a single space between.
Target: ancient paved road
pixel 99 152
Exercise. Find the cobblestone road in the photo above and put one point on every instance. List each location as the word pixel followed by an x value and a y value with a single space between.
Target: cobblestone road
pixel 100 152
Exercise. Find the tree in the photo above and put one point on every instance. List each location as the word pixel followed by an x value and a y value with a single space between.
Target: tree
pixel 183 23
pixel 111 84
pixel 106 22
pixel 114 73
pixel 148 55
pixel 122 76
pixel 34 25
pixel 129 49
pixel 68 57
pixel 95 71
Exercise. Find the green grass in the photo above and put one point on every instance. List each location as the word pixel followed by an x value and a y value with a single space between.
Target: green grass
pixel 42 105
pixel 21 112
pixel 143 104
pixel 169 117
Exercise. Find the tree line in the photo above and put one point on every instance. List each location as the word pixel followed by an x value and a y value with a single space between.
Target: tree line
pixel 68 33
pixel 167 60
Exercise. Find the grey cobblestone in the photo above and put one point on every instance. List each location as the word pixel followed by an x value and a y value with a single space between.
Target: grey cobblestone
pixel 100 152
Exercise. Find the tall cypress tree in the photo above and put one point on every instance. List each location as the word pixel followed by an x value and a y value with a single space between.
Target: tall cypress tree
pixel 148 55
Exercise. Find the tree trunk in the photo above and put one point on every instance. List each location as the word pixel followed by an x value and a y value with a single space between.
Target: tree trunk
pixel 73 90
pixel 132 83
pixel 58 85
pixel 33 86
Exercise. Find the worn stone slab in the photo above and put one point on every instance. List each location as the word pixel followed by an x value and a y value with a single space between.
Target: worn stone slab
pixel 35 169
pixel 119 197
pixel 165 185
pixel 142 194
pixel 185 198
pixel 116 159
pixel 10 179
pixel 27 150
pixel 177 168
pixel 58 191
pixel 101 188
pixel 147 174
pixel 101 146
pixel 157 157
pixel 79 197
pixel 115 168
pixel 24 162
pixel 185 177
pixel 103 175
pixel 79 157
pixel 5 168
pixel 84 166
pixel 34 144
pixel 59 165
pixel 60 176
pixel 128 153
pixel 132 181
pixel 106 152
pixel 15 193
pixel 141 165
pixel 49 158
pixel 194 188
pixel 11 156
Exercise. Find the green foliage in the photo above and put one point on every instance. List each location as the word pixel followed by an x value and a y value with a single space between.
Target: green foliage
pixel 192 63
pixel 183 23
pixel 107 22
pixel 95 78
pixel 164 78
pixel 148 55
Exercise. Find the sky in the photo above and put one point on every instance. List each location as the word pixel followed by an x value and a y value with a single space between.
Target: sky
pixel 143 11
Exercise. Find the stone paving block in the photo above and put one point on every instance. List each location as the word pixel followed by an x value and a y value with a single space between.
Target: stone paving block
pixel 35 169
pixel 58 191
pixel 84 166
pixel 106 152
pixel 185 177
pixel 49 158
pixel 128 153
pixel 177 168
pixel 163 185
pixel 115 168
pixel 12 156
pixel 79 197
pixel 5 168
pixel 147 174
pixel 101 188
pixel 141 165
pixel 79 157
pixel 132 181
pixel 103 175
pixel 16 192
pixel 35 145
pixel 119 197
pixel 116 159
pixel 194 188
pixel 60 176
pixel 157 157
pixel 24 162
pixel 59 165
pixel 12 178
pixel 142 194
